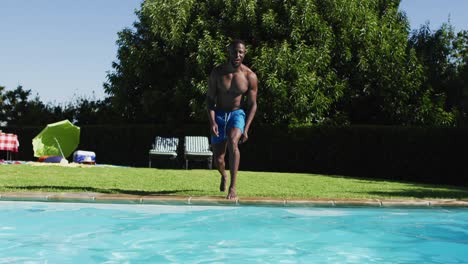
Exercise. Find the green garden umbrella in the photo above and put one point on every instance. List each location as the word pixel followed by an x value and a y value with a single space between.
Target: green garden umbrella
pixel 57 139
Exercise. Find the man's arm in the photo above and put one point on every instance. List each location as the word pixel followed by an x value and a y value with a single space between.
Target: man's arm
pixel 211 103
pixel 251 104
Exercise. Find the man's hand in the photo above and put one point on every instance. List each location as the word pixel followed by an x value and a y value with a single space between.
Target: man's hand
pixel 214 130
pixel 244 138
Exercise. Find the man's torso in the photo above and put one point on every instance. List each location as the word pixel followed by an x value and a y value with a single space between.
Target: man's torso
pixel 230 87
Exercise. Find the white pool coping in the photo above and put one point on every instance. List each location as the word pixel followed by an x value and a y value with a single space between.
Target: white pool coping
pixel 89 197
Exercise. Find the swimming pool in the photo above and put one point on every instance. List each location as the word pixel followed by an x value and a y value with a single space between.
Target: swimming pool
pixel 38 232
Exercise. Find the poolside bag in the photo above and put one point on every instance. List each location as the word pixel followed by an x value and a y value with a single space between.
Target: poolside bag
pixel 50 159
pixel 86 157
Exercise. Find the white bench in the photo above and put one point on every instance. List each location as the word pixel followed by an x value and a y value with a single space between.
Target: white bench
pixel 164 147
pixel 197 148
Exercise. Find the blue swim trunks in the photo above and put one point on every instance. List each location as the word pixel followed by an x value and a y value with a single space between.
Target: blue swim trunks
pixel 226 121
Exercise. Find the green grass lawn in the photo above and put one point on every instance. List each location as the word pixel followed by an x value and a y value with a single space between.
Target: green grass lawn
pixel 144 181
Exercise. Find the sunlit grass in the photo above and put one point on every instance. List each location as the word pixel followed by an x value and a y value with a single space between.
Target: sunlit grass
pixel 145 181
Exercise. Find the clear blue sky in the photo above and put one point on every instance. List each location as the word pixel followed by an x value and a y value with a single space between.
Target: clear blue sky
pixel 62 49
pixel 436 12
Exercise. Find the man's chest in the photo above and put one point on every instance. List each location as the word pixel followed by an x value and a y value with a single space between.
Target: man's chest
pixel 233 83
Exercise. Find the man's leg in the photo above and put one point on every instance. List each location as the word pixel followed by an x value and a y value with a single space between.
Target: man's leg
pixel 219 151
pixel 234 158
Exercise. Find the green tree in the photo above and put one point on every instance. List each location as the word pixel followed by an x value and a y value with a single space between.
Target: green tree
pixel 333 61
pixel 18 109
pixel 149 83
pixel 371 55
pixel 443 54
pixel 457 97
pixel 163 66
pixel 89 111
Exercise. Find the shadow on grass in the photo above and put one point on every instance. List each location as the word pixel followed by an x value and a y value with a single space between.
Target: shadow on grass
pixel 422 193
pixel 395 180
pixel 92 189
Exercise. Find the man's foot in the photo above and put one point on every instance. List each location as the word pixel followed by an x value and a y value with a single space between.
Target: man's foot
pixel 222 185
pixel 232 194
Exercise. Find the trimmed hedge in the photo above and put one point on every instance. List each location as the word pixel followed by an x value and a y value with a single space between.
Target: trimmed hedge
pixel 432 155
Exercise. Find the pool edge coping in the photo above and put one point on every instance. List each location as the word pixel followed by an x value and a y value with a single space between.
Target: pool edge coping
pixel 90 197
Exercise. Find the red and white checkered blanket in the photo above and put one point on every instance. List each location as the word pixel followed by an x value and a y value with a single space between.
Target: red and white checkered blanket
pixel 9 142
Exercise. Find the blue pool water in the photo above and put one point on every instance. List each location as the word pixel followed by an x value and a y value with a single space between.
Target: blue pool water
pixel 35 232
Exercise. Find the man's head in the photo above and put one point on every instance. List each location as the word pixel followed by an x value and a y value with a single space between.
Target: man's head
pixel 236 51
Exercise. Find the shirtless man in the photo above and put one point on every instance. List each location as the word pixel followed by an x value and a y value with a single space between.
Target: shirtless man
pixel 229 123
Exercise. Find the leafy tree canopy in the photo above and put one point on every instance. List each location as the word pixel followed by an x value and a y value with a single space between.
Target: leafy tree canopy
pixel 444 57
pixel 318 62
